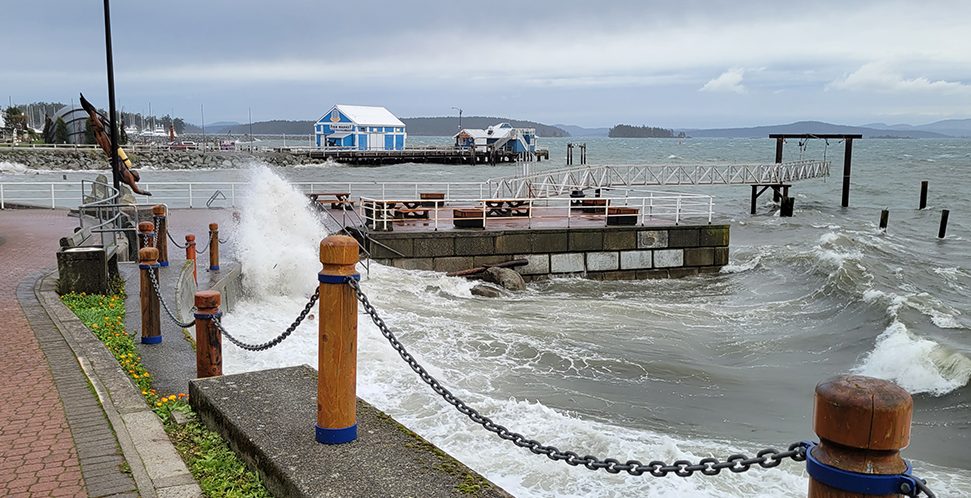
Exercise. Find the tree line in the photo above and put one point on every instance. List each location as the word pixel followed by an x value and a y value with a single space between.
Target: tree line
pixel 630 131
pixel 24 120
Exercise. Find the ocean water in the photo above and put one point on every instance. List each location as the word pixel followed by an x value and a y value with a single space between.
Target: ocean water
pixel 665 369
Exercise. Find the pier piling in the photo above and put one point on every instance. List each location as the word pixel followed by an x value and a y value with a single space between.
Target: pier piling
pixel 942 231
pixel 213 247
pixel 884 219
pixel 161 231
pixel 209 346
pixel 190 254
pixel 862 424
pixel 337 342
pixel 923 195
pixel 787 206
pixel 151 326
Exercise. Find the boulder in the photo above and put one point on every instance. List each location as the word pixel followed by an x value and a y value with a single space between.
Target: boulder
pixel 504 277
pixel 486 290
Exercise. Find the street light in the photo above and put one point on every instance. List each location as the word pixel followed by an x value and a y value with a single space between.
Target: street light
pixel 460 116
pixel 115 174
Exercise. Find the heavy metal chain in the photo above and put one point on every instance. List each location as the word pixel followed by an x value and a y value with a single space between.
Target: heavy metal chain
pixel 922 488
pixel 767 458
pixel 203 250
pixel 169 234
pixel 269 344
pixel 158 292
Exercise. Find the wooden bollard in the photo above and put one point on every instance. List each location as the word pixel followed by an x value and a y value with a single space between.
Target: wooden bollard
pixel 884 218
pixel 337 342
pixel 942 231
pixel 209 345
pixel 190 254
pixel 146 234
pixel 213 247
pixel 862 424
pixel 161 229
pixel 151 328
pixel 923 195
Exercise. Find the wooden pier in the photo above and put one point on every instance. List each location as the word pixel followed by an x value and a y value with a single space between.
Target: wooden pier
pixel 435 155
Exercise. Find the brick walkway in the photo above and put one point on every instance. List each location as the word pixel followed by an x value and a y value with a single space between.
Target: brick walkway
pixel 37 452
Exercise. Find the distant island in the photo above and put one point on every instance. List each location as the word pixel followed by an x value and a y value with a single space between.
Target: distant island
pixel 629 131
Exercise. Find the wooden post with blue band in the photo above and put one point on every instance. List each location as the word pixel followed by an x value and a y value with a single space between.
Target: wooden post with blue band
pixel 862 424
pixel 161 229
pixel 213 247
pixel 337 342
pixel 209 346
pixel 190 255
pixel 146 234
pixel 151 326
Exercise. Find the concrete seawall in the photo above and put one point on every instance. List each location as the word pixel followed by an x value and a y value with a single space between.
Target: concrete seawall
pixel 612 253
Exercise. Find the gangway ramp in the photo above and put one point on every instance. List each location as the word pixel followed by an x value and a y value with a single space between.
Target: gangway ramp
pixel 563 181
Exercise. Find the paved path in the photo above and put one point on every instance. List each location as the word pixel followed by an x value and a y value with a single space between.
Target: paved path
pixel 55 439
pixel 37 452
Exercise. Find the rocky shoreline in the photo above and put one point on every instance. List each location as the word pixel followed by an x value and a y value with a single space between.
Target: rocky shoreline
pixel 91 159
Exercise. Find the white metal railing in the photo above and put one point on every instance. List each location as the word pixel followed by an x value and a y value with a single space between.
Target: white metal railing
pixel 382 213
pixel 562 181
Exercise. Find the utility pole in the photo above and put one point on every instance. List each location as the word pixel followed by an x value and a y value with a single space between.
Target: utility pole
pixel 115 176
pixel 460 116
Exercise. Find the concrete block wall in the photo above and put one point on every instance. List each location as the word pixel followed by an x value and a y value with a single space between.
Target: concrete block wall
pixel 608 253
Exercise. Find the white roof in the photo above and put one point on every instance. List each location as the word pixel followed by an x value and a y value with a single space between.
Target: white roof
pixel 500 130
pixel 369 115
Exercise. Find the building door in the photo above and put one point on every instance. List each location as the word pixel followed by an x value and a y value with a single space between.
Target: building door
pixel 376 141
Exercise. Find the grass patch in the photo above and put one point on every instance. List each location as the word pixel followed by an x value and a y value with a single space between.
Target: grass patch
pixel 219 471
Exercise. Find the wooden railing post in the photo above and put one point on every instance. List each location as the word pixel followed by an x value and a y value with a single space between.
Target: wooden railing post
pixel 146 234
pixel 209 345
pixel 161 229
pixel 213 247
pixel 862 424
pixel 190 254
pixel 337 342
pixel 151 328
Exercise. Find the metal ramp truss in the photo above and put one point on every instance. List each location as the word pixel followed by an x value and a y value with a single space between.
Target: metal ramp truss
pixel 563 181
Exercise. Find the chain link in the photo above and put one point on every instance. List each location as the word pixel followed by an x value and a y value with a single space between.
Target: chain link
pixel 767 458
pixel 152 277
pixel 269 344
pixel 169 234
pixel 203 250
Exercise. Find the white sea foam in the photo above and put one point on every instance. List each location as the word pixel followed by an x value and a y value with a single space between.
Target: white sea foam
pixel 9 168
pixel 278 237
pixel 917 364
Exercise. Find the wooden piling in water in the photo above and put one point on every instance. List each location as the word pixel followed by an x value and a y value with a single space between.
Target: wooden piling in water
pixel 190 255
pixel 942 231
pixel 213 247
pixel 862 424
pixel 787 206
pixel 923 195
pixel 337 342
pixel 151 326
pixel 161 230
pixel 884 219
pixel 209 346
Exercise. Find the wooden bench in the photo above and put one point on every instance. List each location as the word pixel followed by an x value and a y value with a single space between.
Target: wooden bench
pixel 504 208
pixel 622 216
pixel 88 269
pixel 468 218
pixel 337 200
pixel 432 196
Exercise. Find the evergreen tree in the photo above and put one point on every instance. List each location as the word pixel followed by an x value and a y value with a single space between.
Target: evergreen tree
pixel 88 132
pixel 60 132
pixel 48 129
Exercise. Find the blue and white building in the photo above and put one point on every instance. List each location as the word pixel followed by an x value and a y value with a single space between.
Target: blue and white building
pixel 360 127
pixel 501 137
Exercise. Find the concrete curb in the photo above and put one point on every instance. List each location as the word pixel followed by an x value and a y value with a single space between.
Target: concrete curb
pixel 156 466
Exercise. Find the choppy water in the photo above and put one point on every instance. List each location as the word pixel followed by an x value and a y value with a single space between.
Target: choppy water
pixel 688 368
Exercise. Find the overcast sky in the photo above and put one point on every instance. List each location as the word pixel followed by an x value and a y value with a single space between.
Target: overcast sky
pixel 590 63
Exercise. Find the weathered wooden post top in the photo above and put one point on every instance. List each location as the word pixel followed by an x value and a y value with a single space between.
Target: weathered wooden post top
pixel 146 234
pixel 190 255
pixel 213 247
pixel 209 348
pixel 862 424
pixel 161 229
pixel 149 300
pixel 337 342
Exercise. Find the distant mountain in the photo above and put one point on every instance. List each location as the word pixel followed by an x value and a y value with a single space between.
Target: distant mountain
pixel 579 131
pixel 448 126
pixel 952 127
pixel 810 127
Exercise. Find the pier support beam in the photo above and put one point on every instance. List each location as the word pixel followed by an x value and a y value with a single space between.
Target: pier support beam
pixel 847 163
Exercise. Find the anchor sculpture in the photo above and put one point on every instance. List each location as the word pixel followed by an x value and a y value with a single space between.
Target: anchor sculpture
pixel 98 124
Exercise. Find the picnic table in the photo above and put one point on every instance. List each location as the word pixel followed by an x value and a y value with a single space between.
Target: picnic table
pixel 501 208
pixel 338 200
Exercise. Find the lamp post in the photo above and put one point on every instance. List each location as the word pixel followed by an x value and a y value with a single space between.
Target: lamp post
pixel 460 116
pixel 115 176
